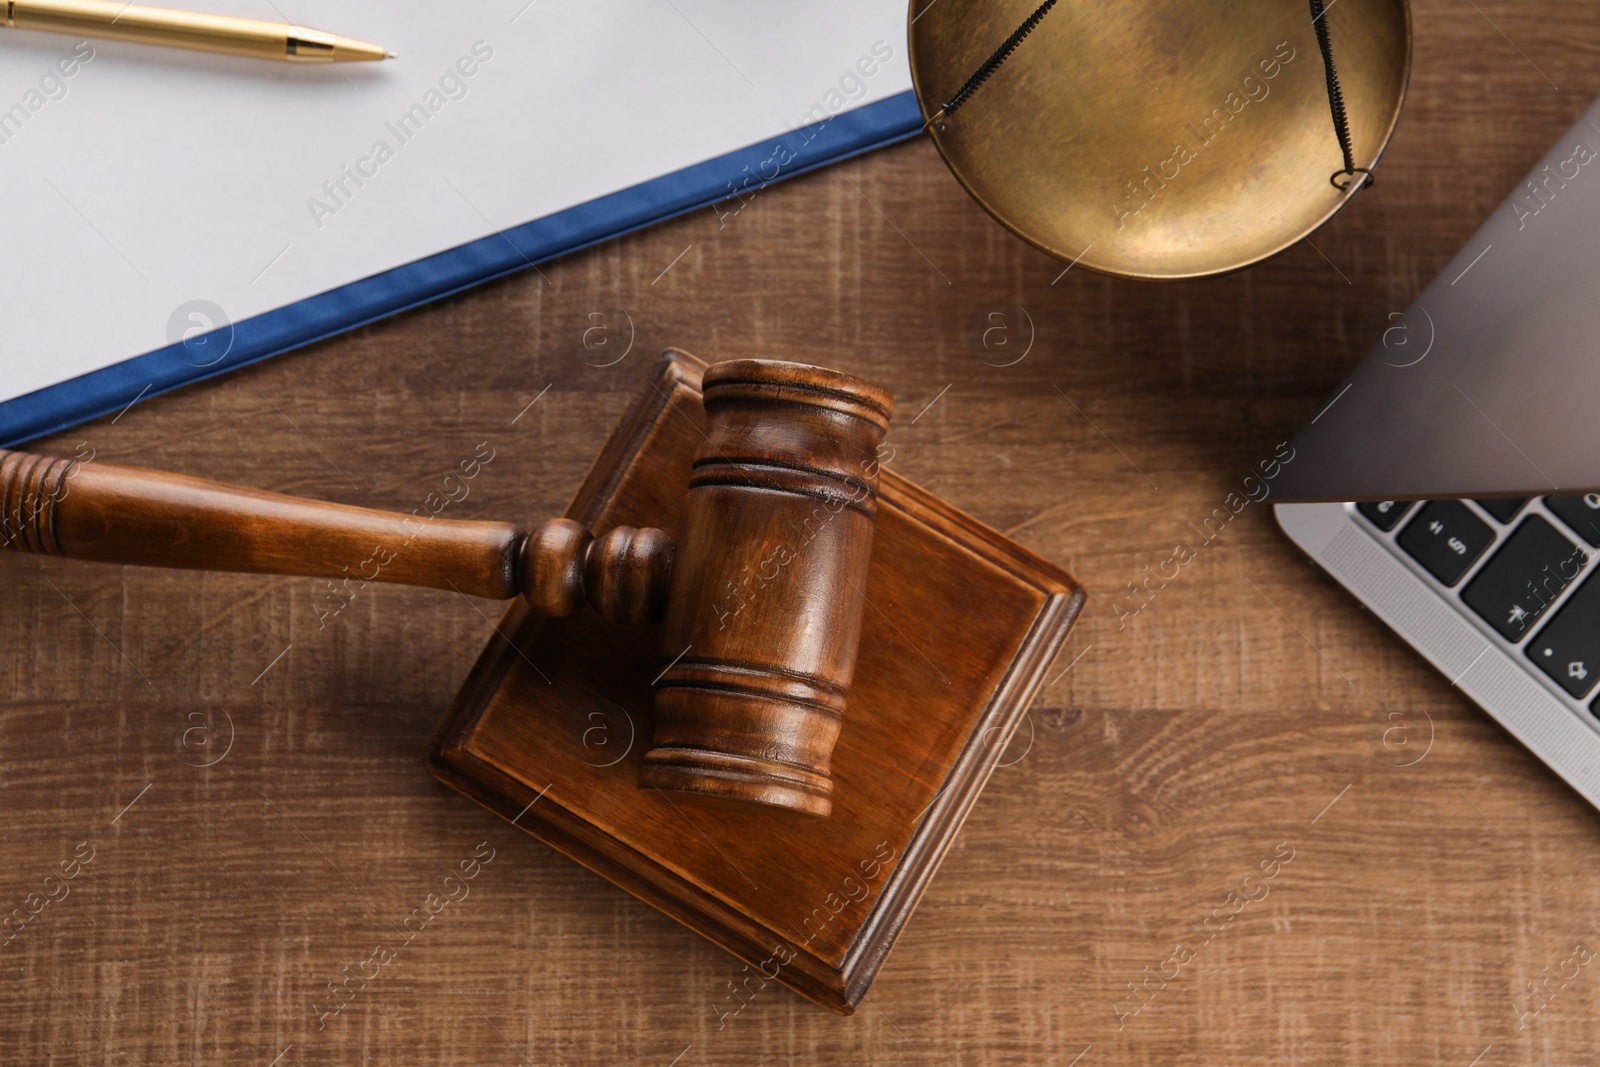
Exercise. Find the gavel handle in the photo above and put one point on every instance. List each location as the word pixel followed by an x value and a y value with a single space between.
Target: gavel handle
pixel 130 515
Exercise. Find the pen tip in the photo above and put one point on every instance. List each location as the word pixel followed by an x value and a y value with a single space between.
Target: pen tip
pixel 390 55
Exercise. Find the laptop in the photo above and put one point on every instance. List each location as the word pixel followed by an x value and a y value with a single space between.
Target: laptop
pixel 1470 434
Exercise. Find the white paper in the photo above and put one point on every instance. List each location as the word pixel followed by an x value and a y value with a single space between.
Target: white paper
pixel 151 178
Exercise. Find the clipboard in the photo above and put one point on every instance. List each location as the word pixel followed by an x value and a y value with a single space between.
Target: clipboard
pixel 844 90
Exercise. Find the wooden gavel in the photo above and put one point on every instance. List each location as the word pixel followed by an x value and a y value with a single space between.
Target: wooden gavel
pixel 762 592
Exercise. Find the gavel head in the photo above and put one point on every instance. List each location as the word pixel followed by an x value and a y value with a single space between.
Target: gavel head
pixel 768 585
pixel 762 591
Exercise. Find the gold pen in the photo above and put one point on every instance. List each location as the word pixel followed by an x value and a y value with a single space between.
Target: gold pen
pixel 128 21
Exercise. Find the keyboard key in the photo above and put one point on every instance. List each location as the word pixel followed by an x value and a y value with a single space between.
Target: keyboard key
pixel 1526 573
pixel 1385 514
pixel 1502 509
pixel 1582 513
pixel 1568 649
pixel 1446 538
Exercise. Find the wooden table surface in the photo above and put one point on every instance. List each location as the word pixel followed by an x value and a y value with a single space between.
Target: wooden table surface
pixel 250 786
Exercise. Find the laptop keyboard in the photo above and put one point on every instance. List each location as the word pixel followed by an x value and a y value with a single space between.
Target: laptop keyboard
pixel 1523 567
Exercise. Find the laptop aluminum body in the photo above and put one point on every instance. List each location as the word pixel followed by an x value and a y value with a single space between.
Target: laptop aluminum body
pixel 1472 431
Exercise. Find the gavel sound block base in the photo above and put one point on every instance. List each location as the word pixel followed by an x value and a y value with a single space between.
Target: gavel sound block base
pixel 960 626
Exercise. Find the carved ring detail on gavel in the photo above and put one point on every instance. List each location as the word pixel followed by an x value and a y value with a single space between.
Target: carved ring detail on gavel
pixel 762 595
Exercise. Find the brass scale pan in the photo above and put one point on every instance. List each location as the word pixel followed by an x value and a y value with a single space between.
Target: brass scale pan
pixel 1160 139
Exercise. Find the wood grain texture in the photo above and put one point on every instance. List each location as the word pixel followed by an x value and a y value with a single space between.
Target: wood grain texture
pixel 784 485
pixel 769 584
pixel 1170 761
pixel 109 513
pixel 549 730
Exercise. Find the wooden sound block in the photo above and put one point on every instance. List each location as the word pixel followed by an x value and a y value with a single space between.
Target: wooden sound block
pixel 550 727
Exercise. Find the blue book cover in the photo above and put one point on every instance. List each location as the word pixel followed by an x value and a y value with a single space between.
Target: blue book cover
pixel 205 355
